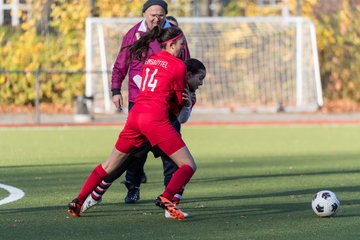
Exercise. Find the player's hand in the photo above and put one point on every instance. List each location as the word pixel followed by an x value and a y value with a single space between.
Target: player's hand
pixel 118 101
pixel 192 97
pixel 187 98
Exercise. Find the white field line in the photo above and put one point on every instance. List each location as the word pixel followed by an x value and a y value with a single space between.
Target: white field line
pixel 15 194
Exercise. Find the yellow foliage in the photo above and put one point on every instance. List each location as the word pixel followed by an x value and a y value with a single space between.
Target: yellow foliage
pixel 62 47
pixel 2 79
pixel 121 8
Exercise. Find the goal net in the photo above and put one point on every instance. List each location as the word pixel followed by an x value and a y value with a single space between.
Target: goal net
pixel 253 64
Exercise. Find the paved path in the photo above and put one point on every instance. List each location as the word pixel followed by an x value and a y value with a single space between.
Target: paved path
pixel 196 118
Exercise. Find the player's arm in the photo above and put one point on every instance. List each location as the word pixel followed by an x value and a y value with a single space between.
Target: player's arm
pixel 119 72
pixel 189 99
pixel 180 84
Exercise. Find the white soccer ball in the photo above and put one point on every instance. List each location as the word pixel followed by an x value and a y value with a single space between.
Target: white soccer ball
pixel 325 203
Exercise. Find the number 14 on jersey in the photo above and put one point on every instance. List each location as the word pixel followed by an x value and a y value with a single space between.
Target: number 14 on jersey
pixel 150 83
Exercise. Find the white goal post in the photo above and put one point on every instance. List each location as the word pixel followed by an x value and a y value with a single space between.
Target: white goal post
pixel 254 64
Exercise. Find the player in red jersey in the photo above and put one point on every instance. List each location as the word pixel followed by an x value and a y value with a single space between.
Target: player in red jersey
pixel 163 83
pixel 195 74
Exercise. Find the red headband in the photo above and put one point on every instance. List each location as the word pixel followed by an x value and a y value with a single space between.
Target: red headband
pixel 172 39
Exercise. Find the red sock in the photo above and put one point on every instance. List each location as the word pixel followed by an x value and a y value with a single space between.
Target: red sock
pixel 177 197
pixel 180 178
pixel 94 179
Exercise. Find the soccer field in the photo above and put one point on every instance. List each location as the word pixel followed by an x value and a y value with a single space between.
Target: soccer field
pixel 253 182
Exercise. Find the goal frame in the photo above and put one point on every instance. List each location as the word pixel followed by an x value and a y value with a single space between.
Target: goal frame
pixel 299 22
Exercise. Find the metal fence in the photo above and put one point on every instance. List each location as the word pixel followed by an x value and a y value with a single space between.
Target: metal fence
pixel 13 83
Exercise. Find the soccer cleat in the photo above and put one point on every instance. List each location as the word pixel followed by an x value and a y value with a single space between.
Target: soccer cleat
pixel 133 194
pixel 89 203
pixel 74 208
pixel 170 207
pixel 167 214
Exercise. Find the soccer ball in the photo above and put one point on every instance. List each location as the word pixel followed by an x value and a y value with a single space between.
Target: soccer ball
pixel 325 203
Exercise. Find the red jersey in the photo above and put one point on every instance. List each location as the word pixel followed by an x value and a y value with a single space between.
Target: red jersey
pixel 163 82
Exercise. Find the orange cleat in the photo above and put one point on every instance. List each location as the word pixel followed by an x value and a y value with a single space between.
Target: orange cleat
pixel 74 208
pixel 170 207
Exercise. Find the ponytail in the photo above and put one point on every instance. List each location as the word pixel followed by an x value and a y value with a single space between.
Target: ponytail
pixel 139 50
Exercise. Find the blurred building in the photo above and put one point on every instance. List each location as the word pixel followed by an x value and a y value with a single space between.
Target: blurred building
pixel 13 12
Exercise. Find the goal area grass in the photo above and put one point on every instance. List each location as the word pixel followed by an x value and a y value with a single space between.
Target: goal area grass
pixel 252 182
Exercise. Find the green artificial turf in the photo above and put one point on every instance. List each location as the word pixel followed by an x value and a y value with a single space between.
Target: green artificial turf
pixel 251 183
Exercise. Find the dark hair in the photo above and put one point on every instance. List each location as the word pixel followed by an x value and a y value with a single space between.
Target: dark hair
pixel 139 50
pixel 171 18
pixel 194 66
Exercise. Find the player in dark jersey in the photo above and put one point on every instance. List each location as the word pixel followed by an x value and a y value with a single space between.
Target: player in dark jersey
pixel 163 84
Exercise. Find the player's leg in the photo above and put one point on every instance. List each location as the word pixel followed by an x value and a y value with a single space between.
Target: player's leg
pixel 115 159
pixel 169 169
pixel 184 160
pixel 135 173
pixel 169 166
pixel 159 131
pixel 96 195
pixel 186 168
pixel 128 140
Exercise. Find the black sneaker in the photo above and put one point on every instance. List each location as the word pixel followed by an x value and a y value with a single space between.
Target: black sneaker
pixel 133 194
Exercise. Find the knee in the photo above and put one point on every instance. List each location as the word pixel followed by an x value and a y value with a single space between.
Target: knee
pixel 190 165
pixel 193 166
